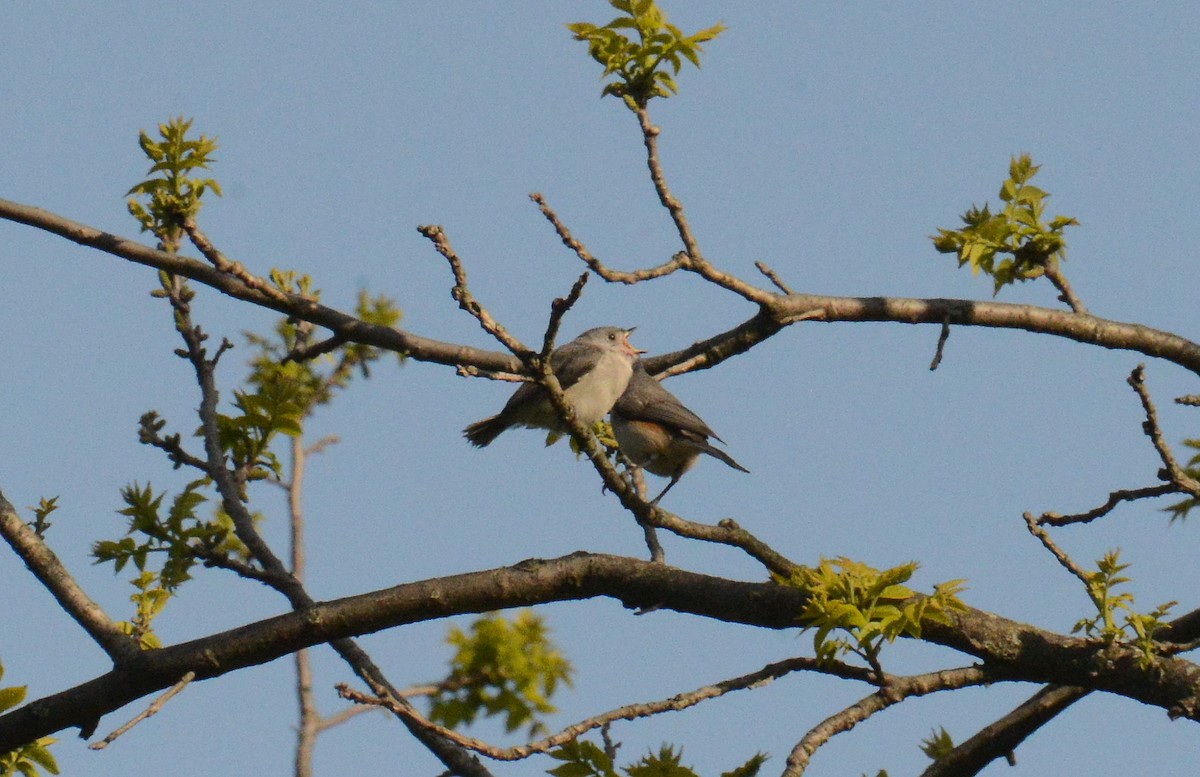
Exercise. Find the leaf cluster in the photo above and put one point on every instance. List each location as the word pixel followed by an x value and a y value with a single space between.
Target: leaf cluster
pixel 865 607
pixel 586 759
pixel 276 405
pixel 41 512
pixel 148 601
pixel 639 66
pixel 308 384
pixel 1013 244
pixel 172 195
pixel 502 667
pixel 939 744
pixel 27 758
pixel 179 534
pixel 1133 626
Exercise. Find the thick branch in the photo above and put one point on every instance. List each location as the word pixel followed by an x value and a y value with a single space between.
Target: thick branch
pixel 50 572
pixel 343 325
pixel 1001 738
pixel 1009 649
pixel 782 311
pixel 1073 326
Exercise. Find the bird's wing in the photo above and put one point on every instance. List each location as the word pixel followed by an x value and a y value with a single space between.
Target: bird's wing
pixel 654 403
pixel 573 360
pixel 570 363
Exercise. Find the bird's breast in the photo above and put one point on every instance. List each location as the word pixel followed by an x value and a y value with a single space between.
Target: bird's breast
pixel 598 390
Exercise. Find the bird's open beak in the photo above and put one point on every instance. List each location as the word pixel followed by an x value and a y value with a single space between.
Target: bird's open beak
pixel 629 345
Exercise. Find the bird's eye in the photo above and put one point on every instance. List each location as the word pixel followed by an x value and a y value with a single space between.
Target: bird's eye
pixel 612 336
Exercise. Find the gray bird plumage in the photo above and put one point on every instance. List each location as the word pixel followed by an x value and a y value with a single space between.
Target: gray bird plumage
pixel 656 432
pixel 593 370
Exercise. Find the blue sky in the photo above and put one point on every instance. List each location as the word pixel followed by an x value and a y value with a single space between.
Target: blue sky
pixel 825 139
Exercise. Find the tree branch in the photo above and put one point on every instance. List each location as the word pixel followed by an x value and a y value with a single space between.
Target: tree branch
pixel 229 484
pixel 692 260
pixel 1002 315
pixel 1171 471
pixel 894 690
pixel 782 312
pixel 1001 738
pixel 1114 498
pixel 676 703
pixel 1009 650
pixel 153 709
pixel 51 573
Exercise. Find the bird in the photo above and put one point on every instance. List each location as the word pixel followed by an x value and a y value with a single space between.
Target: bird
pixel 656 432
pixel 593 370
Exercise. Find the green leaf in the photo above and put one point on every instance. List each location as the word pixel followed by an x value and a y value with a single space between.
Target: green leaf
pixel 581 759
pixel 11 697
pixel 938 745
pixel 748 769
pixel 665 763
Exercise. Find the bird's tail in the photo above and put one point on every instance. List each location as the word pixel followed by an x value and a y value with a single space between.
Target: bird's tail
pixel 481 433
pixel 717 453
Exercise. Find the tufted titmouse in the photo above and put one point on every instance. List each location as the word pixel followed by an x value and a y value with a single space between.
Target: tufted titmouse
pixel 593 370
pixel 655 431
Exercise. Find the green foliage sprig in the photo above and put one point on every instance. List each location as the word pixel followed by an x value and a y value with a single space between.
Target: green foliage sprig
pixel 172 194
pixel 502 667
pixel 1133 626
pixel 148 601
pixel 1013 244
pixel 27 758
pixel 180 537
pixel 41 512
pixel 582 758
pixel 866 607
pixel 639 66
pixel 938 745
pixel 274 406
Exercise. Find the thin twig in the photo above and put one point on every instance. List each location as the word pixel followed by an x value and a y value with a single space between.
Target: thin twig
pixel 149 426
pixel 154 707
pixel 1114 498
pixel 466 301
pixel 773 277
pixel 307 352
pixel 229 486
pixel 1065 292
pixel 222 264
pixel 895 690
pixel 941 345
pixel 1172 472
pixel 237 566
pixel 628 712
pixel 1059 555
pixel 596 266
pixel 692 260
pixel 558 309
